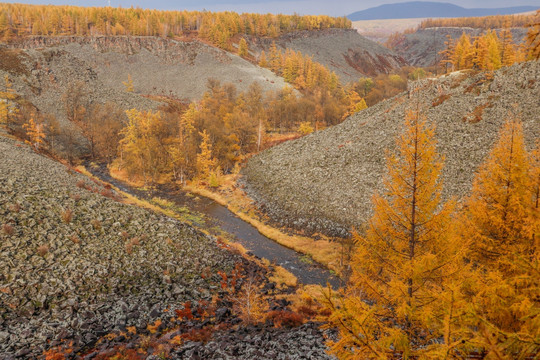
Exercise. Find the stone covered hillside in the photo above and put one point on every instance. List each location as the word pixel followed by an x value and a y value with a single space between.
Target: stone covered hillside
pixel 324 181
pixel 43 68
pixel 76 265
pixel 344 51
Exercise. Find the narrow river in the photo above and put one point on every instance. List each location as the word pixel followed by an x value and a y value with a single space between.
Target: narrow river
pixel 214 215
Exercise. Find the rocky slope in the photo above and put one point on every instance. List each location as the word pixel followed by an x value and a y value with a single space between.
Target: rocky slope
pixel 422 47
pixel 77 266
pixel 104 267
pixel 344 51
pixel 324 181
pixel 48 65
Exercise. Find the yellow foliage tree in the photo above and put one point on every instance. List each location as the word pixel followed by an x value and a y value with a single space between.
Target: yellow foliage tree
pixel 263 62
pixel 500 221
pixel 463 53
pixel 179 150
pixel 8 106
pixel 243 48
pixel 35 131
pixel 3 112
pixel 140 146
pixel 129 84
pixel 356 103
pixel 205 161
pixel 403 296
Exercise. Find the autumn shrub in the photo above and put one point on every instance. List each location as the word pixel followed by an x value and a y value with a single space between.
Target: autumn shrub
pixel 214 179
pixel 283 318
pixel 131 244
pixel 15 207
pixel 249 304
pixel 476 115
pixel 307 311
pixel 107 193
pixel 67 215
pixel 8 229
pixel 75 238
pixel 198 335
pixel 96 224
pixel 439 100
pixel 43 250
pixel 305 128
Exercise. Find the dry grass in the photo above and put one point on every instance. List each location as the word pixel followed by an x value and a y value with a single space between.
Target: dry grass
pixel 322 251
pixel 122 175
pixel 283 278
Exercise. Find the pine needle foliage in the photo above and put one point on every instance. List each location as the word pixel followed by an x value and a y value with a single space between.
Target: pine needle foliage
pixel 403 298
pixel 501 220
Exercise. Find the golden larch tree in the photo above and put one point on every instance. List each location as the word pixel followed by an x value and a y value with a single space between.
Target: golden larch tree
pixel 500 222
pixel 243 48
pixel 129 84
pixel 403 297
pixel 35 131
pixel 205 160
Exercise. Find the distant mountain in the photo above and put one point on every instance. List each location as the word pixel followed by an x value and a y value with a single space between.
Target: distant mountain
pixel 421 9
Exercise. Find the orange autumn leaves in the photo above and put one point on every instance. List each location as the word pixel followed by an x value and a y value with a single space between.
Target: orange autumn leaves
pixel 432 282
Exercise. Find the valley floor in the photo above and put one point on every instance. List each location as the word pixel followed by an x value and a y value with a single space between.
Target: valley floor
pixel 82 273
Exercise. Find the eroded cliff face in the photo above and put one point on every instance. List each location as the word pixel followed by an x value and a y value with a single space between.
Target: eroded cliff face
pixel 325 181
pixel 344 51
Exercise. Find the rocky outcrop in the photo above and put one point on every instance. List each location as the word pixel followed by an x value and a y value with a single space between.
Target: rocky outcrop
pixel 262 343
pixel 344 51
pixel 76 265
pixel 325 181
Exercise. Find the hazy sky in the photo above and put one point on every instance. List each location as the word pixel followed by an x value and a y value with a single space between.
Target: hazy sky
pixel 329 7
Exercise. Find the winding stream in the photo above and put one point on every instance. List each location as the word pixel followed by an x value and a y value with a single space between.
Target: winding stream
pixel 214 215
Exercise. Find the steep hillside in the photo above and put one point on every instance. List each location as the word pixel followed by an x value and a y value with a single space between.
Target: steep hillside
pixel 157 66
pixel 422 47
pixel 324 181
pixel 420 9
pixel 344 51
pixel 77 265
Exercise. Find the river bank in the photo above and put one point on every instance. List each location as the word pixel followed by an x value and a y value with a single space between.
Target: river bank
pixel 221 221
pixel 318 248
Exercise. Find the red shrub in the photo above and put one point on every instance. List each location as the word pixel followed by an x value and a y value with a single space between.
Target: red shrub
pixel 282 318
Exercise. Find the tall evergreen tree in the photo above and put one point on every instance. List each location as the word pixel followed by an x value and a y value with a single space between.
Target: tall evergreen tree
pixel 402 297
pixel 500 221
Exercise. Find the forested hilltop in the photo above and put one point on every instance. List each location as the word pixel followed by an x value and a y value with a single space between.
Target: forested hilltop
pixel 18 20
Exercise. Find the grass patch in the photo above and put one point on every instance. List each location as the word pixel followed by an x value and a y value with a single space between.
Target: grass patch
pixel 283 278
pixel 163 202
